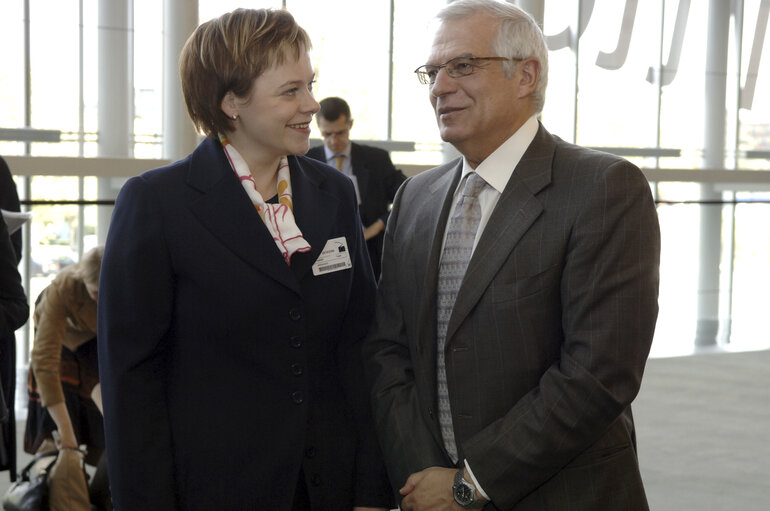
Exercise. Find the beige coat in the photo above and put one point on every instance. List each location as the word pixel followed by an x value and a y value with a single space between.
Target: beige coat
pixel 65 316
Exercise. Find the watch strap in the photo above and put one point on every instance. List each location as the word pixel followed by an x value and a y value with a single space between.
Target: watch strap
pixel 460 481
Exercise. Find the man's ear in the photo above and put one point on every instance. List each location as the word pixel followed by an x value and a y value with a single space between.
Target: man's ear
pixel 529 74
pixel 228 104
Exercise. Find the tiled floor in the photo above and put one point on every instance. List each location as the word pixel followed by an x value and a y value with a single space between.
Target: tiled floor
pixel 702 425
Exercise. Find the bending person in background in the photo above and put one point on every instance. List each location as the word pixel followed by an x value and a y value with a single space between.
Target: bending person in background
pixel 64 392
pixel 236 292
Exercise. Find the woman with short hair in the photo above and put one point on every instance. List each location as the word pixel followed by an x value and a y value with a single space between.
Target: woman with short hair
pixel 236 291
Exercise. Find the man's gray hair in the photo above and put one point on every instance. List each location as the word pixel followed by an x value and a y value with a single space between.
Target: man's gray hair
pixel 519 37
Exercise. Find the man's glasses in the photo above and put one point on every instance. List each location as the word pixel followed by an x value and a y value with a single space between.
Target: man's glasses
pixel 457 67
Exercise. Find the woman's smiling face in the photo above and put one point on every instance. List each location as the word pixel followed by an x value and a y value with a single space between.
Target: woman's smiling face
pixel 275 118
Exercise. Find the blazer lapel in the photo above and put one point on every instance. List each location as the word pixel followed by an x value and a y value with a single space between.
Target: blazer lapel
pixel 515 212
pixel 315 211
pixel 222 206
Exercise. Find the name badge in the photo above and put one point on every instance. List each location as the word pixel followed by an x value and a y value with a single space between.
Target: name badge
pixel 334 257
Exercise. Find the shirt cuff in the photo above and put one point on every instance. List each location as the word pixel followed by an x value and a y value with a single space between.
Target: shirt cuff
pixel 476 482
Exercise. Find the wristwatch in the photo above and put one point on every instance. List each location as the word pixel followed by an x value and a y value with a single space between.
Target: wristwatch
pixel 465 493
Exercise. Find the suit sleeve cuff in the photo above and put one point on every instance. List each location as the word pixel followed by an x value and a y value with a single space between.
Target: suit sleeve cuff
pixel 476 482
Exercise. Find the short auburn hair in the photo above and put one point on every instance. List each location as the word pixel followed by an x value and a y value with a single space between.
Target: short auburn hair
pixel 227 54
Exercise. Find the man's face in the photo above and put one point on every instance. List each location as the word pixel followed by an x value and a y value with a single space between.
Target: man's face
pixel 336 134
pixel 478 112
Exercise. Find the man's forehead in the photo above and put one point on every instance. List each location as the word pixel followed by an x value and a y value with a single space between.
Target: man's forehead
pixel 460 38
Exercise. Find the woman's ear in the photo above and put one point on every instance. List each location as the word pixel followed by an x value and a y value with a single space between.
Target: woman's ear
pixel 228 105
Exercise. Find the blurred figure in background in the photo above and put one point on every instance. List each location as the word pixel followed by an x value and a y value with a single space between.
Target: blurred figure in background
pixel 9 201
pixel 64 391
pixel 14 313
pixel 373 174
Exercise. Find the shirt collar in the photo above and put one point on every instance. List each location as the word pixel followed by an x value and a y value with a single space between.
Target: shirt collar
pixel 330 155
pixel 498 167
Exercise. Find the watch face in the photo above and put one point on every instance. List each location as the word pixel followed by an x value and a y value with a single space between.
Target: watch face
pixel 464 494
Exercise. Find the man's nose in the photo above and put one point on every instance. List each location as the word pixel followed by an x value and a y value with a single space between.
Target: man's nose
pixel 443 83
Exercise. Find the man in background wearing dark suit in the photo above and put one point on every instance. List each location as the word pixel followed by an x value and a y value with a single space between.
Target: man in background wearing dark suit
pixel 374 176
pixel 518 295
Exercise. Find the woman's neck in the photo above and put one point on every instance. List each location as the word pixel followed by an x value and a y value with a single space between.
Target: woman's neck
pixel 265 181
pixel 263 169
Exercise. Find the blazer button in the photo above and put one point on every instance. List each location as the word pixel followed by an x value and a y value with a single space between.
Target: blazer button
pixel 296 341
pixel 315 480
pixel 297 397
pixel 295 314
pixel 310 452
pixel 296 369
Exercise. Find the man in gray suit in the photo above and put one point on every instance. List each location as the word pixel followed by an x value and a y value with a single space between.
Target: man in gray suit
pixel 507 385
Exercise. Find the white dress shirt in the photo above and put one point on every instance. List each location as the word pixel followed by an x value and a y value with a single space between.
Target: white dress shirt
pixel 496 170
pixel 347 165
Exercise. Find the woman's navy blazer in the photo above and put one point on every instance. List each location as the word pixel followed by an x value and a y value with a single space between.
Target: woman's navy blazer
pixel 225 372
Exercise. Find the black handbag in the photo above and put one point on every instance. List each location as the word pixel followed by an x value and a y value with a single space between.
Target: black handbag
pixel 30 492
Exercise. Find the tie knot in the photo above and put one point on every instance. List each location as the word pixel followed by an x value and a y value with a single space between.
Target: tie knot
pixel 473 185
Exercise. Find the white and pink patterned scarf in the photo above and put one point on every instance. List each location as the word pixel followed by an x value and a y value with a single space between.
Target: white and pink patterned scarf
pixel 278 218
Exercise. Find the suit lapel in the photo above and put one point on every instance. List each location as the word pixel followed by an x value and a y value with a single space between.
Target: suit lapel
pixel 315 211
pixel 219 202
pixel 431 226
pixel 515 212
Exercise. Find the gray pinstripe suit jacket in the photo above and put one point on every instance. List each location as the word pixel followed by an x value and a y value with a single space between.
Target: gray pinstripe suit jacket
pixel 548 339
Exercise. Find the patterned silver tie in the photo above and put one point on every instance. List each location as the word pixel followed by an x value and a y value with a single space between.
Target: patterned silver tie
pixel 458 247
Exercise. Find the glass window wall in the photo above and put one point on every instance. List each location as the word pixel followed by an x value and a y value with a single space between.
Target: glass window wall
pixel 626 76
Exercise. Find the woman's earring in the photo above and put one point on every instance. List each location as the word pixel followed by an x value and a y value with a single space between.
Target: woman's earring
pixel 235 117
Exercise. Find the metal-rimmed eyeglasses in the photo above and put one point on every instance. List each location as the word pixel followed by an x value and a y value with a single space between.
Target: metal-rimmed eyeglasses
pixel 456 67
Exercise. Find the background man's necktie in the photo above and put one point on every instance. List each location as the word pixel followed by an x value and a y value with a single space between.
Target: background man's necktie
pixel 338 159
pixel 458 247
